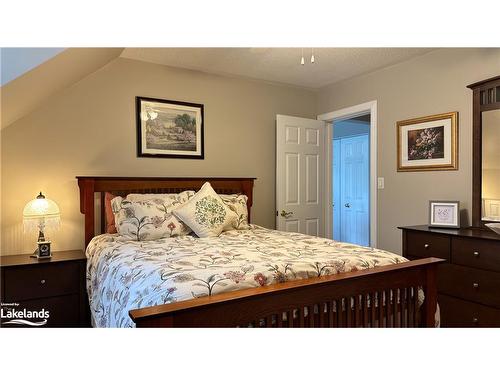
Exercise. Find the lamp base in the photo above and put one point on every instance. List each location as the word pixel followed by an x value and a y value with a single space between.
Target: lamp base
pixel 35 255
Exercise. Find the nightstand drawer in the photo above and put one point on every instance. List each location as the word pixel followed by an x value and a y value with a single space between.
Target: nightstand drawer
pixel 479 254
pixel 41 280
pixel 470 283
pixel 423 245
pixel 459 313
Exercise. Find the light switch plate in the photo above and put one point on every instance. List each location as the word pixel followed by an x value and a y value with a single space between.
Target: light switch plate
pixel 380 182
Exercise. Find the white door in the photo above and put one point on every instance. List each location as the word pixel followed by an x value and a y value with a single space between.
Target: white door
pixel 299 175
pixel 355 190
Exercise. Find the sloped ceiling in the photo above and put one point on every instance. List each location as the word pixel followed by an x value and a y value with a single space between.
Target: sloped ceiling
pixel 281 65
pixel 25 93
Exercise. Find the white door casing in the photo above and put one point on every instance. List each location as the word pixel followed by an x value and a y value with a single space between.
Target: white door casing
pixel 346 113
pixel 300 175
pixel 337 202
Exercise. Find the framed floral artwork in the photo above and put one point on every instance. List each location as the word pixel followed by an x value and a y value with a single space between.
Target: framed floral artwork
pixel 444 214
pixel 169 129
pixel 428 143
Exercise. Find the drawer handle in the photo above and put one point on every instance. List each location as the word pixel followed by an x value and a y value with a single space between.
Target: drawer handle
pixel 475 285
pixel 426 245
pixel 42 281
pixel 475 320
pixel 476 254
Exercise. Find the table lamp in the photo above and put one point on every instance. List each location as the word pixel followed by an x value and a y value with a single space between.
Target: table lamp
pixel 41 213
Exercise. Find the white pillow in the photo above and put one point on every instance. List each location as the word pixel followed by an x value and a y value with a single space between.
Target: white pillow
pixel 147 220
pixel 238 204
pixel 205 213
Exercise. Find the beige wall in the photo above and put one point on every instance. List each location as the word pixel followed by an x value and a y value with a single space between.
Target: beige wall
pixel 89 129
pixel 430 84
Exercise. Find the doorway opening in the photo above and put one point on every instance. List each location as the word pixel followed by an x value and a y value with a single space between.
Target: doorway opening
pixel 358 116
pixel 351 180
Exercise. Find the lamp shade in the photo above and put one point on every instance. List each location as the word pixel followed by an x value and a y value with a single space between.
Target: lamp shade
pixel 41 209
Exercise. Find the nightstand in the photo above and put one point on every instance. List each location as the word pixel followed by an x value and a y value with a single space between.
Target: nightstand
pixel 55 285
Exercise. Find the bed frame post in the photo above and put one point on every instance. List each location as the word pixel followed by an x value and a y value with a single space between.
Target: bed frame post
pixel 248 189
pixel 86 186
pixel 430 302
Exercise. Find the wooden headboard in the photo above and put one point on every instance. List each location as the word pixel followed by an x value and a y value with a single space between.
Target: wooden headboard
pixel 89 186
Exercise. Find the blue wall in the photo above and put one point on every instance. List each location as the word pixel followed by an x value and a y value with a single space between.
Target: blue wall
pixel 349 128
pixel 17 61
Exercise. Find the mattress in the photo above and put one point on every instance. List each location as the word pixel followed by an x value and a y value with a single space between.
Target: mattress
pixel 123 275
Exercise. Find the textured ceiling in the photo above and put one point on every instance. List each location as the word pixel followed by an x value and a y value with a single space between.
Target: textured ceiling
pixel 280 65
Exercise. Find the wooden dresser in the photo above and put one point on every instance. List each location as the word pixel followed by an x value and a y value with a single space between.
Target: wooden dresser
pixel 469 282
pixel 56 285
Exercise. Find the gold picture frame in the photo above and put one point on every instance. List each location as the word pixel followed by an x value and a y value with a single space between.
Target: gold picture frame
pixel 428 143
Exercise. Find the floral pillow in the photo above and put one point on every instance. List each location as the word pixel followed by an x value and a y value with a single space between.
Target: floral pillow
pixel 147 220
pixel 173 197
pixel 238 204
pixel 205 213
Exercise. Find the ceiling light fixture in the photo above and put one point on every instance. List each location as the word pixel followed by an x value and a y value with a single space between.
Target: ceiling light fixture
pixel 313 58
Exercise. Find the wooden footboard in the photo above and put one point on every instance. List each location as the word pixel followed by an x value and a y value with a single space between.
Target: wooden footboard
pixel 380 297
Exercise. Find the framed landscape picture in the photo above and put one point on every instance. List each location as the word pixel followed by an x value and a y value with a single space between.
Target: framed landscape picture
pixel 428 143
pixel 169 129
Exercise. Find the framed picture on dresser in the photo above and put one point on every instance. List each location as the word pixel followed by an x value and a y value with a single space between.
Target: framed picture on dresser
pixel 169 129
pixel 444 214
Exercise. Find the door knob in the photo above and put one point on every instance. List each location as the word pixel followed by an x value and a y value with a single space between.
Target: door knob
pixel 347 205
pixel 285 214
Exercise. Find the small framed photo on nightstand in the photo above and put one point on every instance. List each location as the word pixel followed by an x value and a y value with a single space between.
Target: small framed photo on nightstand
pixel 444 214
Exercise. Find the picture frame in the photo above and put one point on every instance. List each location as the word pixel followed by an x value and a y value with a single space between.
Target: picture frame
pixel 169 129
pixel 428 143
pixel 490 209
pixel 444 214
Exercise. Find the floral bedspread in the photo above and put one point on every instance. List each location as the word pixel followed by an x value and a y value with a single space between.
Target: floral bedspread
pixel 123 275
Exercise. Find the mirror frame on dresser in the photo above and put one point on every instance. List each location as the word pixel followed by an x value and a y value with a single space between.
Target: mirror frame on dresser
pixel 484 98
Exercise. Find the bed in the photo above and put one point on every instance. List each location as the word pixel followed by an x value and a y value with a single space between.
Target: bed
pixel 250 278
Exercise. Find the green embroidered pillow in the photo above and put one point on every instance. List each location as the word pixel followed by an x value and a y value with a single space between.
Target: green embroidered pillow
pixel 205 213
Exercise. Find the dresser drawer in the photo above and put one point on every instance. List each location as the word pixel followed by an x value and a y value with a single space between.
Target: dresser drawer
pixel 469 283
pixel 483 254
pixel 423 245
pixel 43 280
pixel 459 313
